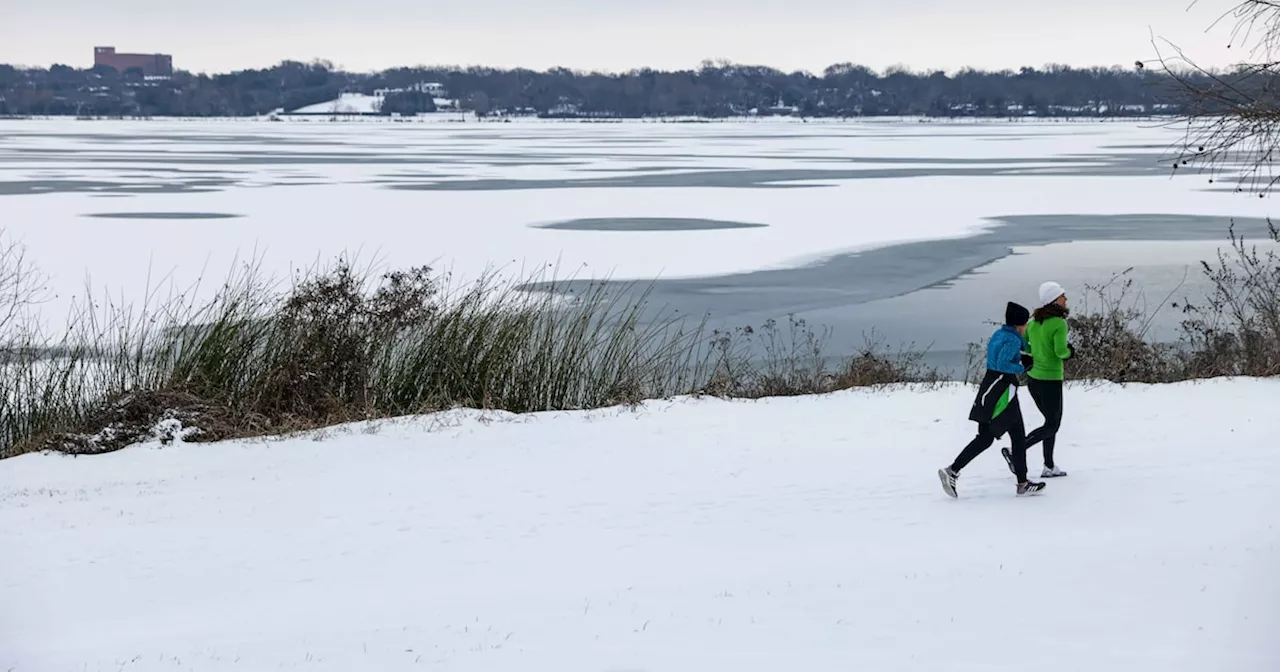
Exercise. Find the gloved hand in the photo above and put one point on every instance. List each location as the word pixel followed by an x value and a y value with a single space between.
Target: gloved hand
pixel 1027 361
pixel 1071 350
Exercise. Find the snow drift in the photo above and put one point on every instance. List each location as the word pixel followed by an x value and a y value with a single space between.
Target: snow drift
pixel 801 533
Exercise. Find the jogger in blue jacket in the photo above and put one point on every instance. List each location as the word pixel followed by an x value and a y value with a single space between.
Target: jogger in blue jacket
pixel 996 408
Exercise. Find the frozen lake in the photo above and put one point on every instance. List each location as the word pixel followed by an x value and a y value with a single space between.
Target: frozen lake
pixel 919 230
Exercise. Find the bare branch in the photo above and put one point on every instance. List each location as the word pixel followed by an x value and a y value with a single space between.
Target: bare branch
pixel 21 285
pixel 1232 118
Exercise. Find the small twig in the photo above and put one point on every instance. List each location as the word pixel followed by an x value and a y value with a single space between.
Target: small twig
pixel 1152 314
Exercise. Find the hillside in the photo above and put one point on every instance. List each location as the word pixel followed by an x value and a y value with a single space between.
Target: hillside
pixel 714 90
pixel 802 533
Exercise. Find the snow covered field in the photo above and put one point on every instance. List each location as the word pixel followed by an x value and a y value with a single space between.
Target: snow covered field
pixel 785 534
pixel 132 203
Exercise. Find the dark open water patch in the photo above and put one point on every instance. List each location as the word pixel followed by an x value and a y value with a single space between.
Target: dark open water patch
pixel 1092 165
pixel 647 224
pixel 839 292
pixel 887 272
pixel 225 139
pixel 229 161
pixel 29 187
pixel 789 178
pixel 162 215
pixel 627 170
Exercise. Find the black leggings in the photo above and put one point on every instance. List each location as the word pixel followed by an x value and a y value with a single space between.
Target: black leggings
pixel 985 437
pixel 1048 397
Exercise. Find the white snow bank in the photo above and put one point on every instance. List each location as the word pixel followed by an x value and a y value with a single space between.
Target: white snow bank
pixel 789 534
pixel 346 103
pixel 355 103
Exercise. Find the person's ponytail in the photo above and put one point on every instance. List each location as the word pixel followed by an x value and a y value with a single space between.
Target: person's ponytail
pixel 1049 310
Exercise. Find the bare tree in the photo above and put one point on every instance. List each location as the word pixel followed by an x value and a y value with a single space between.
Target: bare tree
pixel 21 285
pixel 1232 122
pixel 1233 130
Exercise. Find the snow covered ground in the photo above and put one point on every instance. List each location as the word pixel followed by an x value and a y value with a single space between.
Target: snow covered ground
pixel 785 534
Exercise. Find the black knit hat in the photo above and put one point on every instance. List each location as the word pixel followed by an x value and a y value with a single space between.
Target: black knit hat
pixel 1015 315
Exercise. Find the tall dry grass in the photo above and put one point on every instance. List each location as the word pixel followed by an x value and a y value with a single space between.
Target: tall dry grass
pixel 339 344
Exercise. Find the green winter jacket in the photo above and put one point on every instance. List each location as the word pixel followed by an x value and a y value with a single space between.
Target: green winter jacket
pixel 1048 342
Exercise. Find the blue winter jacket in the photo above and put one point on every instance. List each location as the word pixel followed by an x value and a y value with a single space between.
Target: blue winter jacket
pixel 1004 351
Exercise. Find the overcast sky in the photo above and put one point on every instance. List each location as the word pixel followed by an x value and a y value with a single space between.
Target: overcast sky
pixel 223 35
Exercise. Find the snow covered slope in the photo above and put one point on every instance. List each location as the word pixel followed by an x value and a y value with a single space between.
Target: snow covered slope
pixel 347 103
pixel 788 534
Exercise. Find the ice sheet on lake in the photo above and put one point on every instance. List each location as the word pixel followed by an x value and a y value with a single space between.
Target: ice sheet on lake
pixel 309 191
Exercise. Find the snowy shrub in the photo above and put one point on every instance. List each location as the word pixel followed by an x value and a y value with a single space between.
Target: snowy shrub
pixel 767 362
pixel 1110 337
pixel 1235 331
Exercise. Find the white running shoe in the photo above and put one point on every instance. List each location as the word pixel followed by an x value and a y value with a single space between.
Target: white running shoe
pixel 1052 472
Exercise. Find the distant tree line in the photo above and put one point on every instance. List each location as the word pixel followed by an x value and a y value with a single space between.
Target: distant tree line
pixel 717 89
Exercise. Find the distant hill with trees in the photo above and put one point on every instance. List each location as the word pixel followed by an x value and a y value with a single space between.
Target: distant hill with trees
pixel 717 89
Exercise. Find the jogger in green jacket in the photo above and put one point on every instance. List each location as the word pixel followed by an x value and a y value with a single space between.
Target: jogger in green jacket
pixel 1047 336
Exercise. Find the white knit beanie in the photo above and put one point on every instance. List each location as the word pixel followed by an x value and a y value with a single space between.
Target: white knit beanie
pixel 1049 292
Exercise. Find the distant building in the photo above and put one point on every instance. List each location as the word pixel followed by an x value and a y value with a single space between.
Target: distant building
pixel 152 65
pixel 436 89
